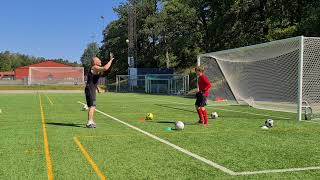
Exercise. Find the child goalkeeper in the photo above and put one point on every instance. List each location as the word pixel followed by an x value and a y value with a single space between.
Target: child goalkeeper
pixel 203 91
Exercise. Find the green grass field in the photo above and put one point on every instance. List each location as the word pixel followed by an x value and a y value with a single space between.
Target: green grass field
pixel 114 150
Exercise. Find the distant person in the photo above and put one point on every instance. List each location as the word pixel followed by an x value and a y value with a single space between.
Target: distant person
pixel 203 92
pixel 93 76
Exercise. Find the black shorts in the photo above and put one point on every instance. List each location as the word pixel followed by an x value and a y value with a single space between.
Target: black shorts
pixel 201 100
pixel 90 96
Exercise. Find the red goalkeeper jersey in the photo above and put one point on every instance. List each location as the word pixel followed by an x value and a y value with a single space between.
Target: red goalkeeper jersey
pixel 204 84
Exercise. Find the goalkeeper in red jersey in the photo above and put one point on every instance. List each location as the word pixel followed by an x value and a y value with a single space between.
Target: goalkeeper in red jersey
pixel 203 91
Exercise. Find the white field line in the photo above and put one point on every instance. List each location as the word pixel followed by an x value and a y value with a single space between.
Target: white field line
pixel 316 122
pixel 278 170
pixel 49 99
pixel 228 110
pixel 211 163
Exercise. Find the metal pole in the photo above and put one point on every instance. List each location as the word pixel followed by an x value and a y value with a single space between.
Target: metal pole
pixel 300 79
pixel 188 80
pixel 116 83
pixel 145 85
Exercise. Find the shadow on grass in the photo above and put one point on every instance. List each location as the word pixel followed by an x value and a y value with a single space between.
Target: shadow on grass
pixel 66 124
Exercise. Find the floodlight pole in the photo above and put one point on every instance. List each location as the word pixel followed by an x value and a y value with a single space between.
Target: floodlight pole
pixel 300 79
pixel 103 30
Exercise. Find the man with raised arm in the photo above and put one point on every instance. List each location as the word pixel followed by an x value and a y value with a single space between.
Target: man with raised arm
pixel 93 76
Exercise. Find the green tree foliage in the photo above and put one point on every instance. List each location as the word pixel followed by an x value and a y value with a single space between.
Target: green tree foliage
pixel 10 61
pixel 115 36
pixel 171 33
pixel 91 51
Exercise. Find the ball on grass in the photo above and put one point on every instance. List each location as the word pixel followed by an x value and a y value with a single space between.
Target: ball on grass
pixel 149 116
pixel 179 125
pixel 214 115
pixel 269 123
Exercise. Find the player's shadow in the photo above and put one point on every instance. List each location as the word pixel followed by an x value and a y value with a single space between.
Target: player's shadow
pixel 165 122
pixel 176 108
pixel 65 124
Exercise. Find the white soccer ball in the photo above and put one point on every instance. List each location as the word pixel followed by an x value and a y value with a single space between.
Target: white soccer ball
pixel 269 123
pixel 179 125
pixel 85 107
pixel 214 115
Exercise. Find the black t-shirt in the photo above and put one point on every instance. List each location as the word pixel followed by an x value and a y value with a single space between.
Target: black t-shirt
pixel 92 79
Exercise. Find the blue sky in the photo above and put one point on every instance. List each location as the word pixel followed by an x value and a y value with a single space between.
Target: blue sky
pixel 53 28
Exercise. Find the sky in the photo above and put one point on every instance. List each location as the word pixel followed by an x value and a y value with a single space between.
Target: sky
pixel 53 28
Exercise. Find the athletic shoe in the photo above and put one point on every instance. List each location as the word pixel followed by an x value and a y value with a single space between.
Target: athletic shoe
pixel 91 126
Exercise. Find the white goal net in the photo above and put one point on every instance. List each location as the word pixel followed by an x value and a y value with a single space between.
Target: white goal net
pixel 282 75
pixel 56 75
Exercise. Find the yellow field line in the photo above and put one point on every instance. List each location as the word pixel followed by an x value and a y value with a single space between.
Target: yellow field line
pixel 87 156
pixel 49 99
pixel 46 142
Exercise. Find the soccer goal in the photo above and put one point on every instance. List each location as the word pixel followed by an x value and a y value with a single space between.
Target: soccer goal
pixel 56 75
pixel 172 84
pixel 281 75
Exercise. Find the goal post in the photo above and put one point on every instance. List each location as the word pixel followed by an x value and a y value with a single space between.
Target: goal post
pixel 56 75
pixel 282 75
pixel 300 80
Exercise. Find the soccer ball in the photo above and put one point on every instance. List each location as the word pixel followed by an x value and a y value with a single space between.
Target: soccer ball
pixel 149 116
pixel 214 115
pixel 85 107
pixel 269 123
pixel 179 125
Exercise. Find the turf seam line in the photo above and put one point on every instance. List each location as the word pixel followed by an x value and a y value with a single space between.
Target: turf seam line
pixel 211 163
pixel 89 159
pixel 49 99
pixel 46 142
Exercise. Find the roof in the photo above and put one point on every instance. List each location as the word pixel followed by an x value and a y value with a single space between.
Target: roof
pixel 7 73
pixel 46 64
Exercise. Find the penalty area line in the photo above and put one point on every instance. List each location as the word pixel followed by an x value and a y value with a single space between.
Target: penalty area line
pixel 211 163
pixel 310 121
pixel 278 170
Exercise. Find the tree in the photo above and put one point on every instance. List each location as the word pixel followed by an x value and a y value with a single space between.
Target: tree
pixel 91 51
pixel 10 61
pixel 171 33
pixel 115 36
